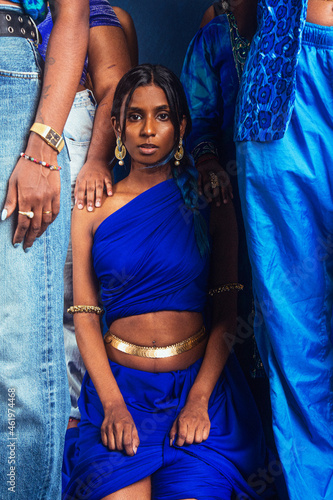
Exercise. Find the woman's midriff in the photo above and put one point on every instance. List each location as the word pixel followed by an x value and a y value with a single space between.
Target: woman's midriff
pixel 158 329
pixel 320 12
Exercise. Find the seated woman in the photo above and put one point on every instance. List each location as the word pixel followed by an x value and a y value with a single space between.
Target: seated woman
pixel 165 410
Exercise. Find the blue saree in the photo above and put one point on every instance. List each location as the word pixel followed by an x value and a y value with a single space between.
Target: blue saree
pixel 146 258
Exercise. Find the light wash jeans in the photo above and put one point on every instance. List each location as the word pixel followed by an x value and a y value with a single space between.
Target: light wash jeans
pixel 34 398
pixel 77 132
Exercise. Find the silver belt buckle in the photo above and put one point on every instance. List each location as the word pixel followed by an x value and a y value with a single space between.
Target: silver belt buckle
pixel 37 41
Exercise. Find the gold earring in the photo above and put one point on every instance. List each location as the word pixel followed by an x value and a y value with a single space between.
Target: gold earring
pixel 179 153
pixel 120 151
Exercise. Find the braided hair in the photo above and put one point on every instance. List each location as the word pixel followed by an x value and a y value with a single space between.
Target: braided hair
pixel 185 174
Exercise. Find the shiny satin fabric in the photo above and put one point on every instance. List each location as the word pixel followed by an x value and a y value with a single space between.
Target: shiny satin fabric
pixel 226 466
pixel 146 256
pixel 287 198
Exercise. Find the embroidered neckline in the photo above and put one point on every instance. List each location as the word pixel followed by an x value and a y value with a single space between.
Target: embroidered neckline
pixel 240 45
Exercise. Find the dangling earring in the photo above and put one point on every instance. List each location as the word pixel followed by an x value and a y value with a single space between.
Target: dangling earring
pixel 179 153
pixel 120 151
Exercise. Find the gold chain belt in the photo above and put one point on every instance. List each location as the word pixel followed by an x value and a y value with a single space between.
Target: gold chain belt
pixel 155 352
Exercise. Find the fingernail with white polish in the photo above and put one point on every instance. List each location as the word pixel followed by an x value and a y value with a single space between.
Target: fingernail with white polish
pixel 4 214
pixel 27 249
pixel 16 245
pixel 90 209
pixel 80 206
pixel 135 449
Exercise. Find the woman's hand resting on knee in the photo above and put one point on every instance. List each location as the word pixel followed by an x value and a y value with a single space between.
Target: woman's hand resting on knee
pixel 118 430
pixel 192 424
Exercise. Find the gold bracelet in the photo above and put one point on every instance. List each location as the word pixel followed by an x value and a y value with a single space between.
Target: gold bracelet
pixel 85 309
pixel 226 288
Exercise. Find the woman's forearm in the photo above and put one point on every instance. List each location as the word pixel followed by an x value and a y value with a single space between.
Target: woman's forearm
pixel 91 346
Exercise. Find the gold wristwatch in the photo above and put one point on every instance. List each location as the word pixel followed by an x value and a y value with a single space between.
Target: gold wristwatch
pixel 49 135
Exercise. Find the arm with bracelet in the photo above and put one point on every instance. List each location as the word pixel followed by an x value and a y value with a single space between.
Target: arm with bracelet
pixel 202 82
pixel 34 186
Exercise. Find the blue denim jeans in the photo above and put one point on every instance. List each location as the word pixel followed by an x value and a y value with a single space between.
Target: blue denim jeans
pixel 34 398
pixel 77 133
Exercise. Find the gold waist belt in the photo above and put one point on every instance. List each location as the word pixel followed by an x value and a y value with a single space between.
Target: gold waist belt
pixel 155 352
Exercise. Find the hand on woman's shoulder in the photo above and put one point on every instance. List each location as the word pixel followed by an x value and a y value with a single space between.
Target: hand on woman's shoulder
pixel 88 221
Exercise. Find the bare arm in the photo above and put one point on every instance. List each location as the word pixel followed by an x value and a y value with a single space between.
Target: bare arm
pixel 108 60
pixel 33 187
pixel 127 24
pixel 192 424
pixel 118 430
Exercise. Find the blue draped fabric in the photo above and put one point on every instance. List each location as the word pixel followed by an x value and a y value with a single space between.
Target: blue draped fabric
pixel 268 86
pixel 146 256
pixel 287 199
pixel 227 464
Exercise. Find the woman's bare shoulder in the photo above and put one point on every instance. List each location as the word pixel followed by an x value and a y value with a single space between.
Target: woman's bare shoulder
pixel 88 221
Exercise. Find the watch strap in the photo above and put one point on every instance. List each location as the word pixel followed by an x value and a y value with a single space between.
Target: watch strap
pixel 49 135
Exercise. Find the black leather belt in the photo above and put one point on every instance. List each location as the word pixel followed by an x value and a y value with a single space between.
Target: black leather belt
pixel 13 23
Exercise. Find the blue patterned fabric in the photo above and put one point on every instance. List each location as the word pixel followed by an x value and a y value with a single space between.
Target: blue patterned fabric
pixel 167 273
pixel 211 83
pixel 34 8
pixel 267 90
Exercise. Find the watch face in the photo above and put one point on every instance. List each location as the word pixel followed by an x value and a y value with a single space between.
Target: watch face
pixel 53 137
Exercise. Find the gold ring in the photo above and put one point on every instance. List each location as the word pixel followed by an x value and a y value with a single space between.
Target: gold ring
pixel 28 214
pixel 214 180
pixel 47 212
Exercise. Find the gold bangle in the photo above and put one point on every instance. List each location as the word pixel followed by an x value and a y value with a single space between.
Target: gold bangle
pixel 85 309
pixel 226 288
pixel 154 351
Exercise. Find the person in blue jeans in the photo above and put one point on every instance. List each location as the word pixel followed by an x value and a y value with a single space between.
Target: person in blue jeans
pixel 90 141
pixel 34 232
pixel 284 124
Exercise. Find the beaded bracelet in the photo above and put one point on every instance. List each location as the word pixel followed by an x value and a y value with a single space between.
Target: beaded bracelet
pixel 43 163
pixel 85 309
pixel 226 288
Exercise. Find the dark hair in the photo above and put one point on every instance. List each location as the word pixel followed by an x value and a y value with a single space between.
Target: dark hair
pixel 185 174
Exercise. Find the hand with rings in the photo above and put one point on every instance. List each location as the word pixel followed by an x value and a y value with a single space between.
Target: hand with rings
pixel 34 190
pixel 214 181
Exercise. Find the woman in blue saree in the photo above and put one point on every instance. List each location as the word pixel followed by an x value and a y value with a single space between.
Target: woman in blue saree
pixel 166 413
